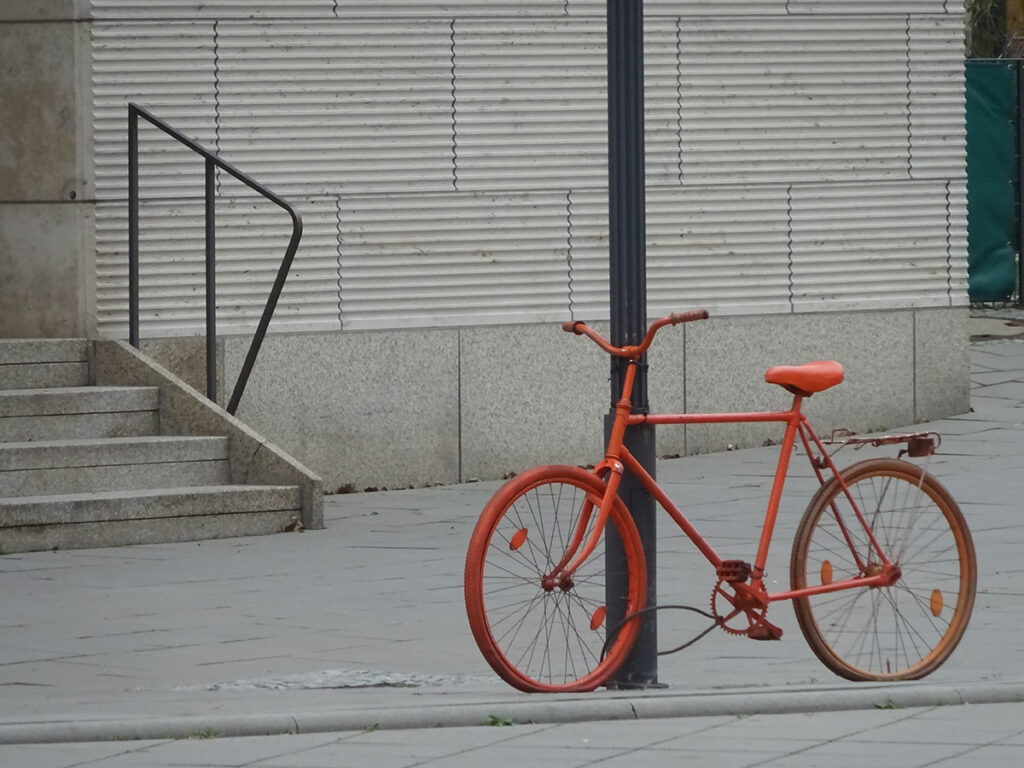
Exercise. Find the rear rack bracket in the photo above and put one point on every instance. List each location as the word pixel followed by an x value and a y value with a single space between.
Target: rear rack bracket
pixel 919 444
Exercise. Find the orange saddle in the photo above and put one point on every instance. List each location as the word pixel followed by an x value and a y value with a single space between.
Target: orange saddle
pixel 806 379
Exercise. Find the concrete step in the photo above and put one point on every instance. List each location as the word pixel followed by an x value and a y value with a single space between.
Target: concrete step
pixel 78 412
pixel 122 518
pixel 125 463
pixel 34 363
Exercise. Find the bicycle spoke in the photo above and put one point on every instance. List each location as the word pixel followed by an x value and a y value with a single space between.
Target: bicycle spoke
pixel 518 625
pixel 522 526
pixel 900 631
pixel 913 635
pixel 530 577
pixel 840 629
pixel 533 624
pixel 537 514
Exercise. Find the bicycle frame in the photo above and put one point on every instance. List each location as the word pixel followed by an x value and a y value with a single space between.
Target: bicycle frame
pixel 550 613
pixel 618 459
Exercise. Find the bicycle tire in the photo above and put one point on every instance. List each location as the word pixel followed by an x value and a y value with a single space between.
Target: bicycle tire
pixel 904 631
pixel 537 639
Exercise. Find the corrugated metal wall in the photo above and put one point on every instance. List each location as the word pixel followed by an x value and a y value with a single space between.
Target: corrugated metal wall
pixel 449 159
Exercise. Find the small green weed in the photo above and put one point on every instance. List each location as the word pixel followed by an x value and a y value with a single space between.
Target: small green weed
pixel 498 720
pixel 371 728
pixel 206 733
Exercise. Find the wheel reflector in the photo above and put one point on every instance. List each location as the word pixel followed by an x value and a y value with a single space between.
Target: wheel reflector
pixel 826 572
pixel 518 539
pixel 598 618
pixel 936 603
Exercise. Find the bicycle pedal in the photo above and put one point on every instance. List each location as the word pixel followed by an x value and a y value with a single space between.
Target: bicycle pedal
pixel 764 632
pixel 734 571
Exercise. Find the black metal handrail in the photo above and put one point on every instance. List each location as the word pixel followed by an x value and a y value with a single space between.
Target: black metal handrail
pixel 212 162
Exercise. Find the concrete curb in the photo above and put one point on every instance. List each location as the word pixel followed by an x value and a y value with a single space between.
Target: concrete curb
pixel 537 709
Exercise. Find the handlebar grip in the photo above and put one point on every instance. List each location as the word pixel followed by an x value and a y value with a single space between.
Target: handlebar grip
pixel 573 326
pixel 686 317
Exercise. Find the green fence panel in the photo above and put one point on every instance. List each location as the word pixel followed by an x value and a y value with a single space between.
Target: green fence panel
pixel 992 178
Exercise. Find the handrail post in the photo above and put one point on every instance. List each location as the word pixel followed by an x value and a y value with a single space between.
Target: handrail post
pixel 211 281
pixel 268 313
pixel 213 162
pixel 133 226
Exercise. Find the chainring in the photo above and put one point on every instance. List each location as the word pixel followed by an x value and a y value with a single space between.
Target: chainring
pixel 740 614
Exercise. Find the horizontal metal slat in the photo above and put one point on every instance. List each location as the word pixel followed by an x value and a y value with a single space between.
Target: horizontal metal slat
pixel 850 250
pixel 793 99
pixel 339 107
pixel 721 248
pixel 901 7
pixel 252 236
pixel 325 9
pixel 292 9
pixel 119 10
pixel 507 262
pixel 544 83
pixel 168 68
pixel 937 95
pixel 656 8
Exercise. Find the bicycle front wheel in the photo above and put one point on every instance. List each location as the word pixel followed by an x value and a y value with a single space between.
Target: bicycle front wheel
pixel 536 632
pixel 904 631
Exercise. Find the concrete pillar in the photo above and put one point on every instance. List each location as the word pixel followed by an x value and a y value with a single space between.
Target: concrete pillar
pixel 46 191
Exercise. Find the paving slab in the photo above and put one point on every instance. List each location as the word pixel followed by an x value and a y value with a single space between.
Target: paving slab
pixel 985 735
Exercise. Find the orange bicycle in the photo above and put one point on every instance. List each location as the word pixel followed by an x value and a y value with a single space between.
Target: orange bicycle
pixel 882 572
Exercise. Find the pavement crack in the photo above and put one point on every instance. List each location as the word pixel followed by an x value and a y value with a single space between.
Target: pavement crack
pixel 247 468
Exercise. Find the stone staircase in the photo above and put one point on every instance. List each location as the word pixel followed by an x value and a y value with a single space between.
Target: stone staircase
pixel 86 461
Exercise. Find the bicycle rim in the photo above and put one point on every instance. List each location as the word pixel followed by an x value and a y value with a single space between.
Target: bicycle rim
pixel 537 636
pixel 900 632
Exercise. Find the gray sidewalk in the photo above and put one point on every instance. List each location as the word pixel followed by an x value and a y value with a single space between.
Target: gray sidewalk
pixel 362 626
pixel 985 736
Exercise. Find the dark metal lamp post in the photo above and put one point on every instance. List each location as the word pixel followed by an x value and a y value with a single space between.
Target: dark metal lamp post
pixel 628 299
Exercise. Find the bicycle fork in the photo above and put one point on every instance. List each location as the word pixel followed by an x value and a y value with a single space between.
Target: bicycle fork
pixel 561 575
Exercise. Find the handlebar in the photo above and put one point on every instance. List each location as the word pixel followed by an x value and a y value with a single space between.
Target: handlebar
pixel 633 352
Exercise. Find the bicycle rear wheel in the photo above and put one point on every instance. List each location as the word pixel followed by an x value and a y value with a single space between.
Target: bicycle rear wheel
pixel 904 631
pixel 536 634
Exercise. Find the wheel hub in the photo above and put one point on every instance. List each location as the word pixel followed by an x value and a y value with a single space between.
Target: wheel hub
pixel 550 583
pixel 891 573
